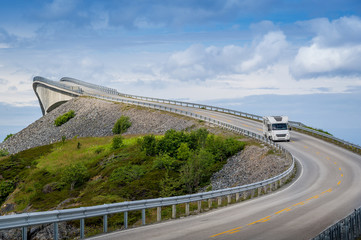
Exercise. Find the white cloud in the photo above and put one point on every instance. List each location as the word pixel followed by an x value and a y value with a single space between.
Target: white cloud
pixel 335 50
pixel 199 62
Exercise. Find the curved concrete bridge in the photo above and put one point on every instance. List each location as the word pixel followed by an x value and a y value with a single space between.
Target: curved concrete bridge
pixel 51 94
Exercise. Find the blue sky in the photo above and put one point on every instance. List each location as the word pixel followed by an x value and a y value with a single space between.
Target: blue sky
pixel 298 58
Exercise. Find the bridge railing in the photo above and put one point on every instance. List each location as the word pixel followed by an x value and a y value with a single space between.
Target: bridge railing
pixel 26 220
pixel 90 85
pixel 57 84
pixel 348 228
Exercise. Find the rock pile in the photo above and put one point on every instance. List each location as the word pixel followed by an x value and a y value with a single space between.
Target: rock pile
pixel 251 165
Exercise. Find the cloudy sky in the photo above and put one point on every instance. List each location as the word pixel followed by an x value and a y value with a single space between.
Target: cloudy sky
pixel 291 57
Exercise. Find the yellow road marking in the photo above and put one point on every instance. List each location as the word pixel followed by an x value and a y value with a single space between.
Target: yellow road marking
pixel 328 158
pixel 259 129
pixel 318 153
pixel 328 190
pixel 265 219
pixel 262 220
pixel 234 229
pixel 335 162
pixel 339 169
pixel 292 141
pixel 341 175
pixel 283 210
pixel 244 125
pixel 339 182
pixel 305 147
pixel 300 203
pixel 314 197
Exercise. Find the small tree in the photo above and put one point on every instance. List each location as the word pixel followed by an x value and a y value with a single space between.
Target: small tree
pixel 183 152
pixel 122 125
pixel 149 145
pixel 75 174
pixel 117 141
pixel 168 186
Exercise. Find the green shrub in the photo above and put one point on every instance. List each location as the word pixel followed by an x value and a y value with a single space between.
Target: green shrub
pixel 183 152
pixel 122 125
pixel 149 145
pixel 6 187
pixel 164 161
pixel 74 174
pixel 168 186
pixel 64 118
pixel 3 152
pixel 126 174
pixel 117 142
pixel 8 136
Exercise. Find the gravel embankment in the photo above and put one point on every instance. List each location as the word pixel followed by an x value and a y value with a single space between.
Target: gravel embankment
pixel 251 165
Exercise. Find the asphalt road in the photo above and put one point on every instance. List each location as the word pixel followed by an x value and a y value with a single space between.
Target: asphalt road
pixel 327 189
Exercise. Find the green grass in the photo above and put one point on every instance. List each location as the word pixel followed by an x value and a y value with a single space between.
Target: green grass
pixel 38 174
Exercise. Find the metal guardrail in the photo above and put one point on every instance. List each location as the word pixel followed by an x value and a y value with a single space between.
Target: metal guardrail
pixel 25 220
pixel 38 79
pixel 348 228
pixel 90 85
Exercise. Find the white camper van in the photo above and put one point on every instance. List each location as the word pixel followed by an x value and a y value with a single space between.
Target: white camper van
pixel 276 128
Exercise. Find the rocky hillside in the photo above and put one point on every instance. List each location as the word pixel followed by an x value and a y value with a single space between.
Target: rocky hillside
pixel 94 118
pixel 253 164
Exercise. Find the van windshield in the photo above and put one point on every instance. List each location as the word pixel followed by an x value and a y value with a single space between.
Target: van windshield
pixel 279 126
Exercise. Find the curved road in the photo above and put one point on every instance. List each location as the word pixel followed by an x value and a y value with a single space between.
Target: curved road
pixel 327 190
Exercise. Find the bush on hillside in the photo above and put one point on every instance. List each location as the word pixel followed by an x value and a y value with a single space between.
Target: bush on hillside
pixel 3 152
pixel 64 118
pixel 117 142
pixel 6 187
pixel 122 125
pixel 126 174
pixel 8 136
pixel 75 174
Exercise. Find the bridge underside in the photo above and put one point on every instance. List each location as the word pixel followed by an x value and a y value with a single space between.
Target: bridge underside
pixel 50 97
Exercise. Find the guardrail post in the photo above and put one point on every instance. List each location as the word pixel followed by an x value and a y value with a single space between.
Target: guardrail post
pixel 229 198
pixel 259 191
pixel 24 233
pixel 125 220
pixel 82 223
pixel 237 197
pixel 159 214
pixel 56 235
pixel 244 195
pixel 174 211
pixel 219 201
pixel 105 223
pixel 199 205
pixel 209 203
pixel 265 189
pixel 143 216
pixel 187 209
pixel 343 234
